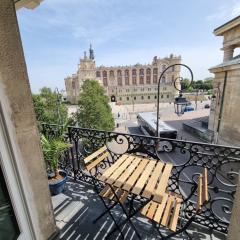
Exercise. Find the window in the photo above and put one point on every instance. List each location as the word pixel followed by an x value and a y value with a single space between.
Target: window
pixel 148 79
pixel 73 85
pixel 141 72
pixel 148 97
pixel 155 75
pixel 134 98
pixel 119 77
pixel 173 68
pixel 126 73
pixel 141 80
pixel 9 226
pixel 163 79
pixel 142 97
pixel 134 80
pixel 164 67
pixel 161 96
pixel 104 73
pixel 167 95
pixel 148 76
pixel 120 98
pixel 98 74
pixel 154 78
pixel 111 73
pixel 155 97
pixel 119 73
pixel 134 72
pixel 127 98
pixel 105 82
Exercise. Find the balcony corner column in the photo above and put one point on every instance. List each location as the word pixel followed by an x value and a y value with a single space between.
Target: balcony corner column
pixel 228 54
pixel 234 230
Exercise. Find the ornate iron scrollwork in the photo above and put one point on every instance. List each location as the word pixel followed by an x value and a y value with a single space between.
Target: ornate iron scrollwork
pixel 188 158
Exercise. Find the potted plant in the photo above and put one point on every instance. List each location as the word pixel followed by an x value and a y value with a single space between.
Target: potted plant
pixel 52 151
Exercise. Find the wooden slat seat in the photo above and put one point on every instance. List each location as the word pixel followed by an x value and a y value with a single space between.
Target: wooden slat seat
pixel 95 158
pixel 165 213
pixel 108 193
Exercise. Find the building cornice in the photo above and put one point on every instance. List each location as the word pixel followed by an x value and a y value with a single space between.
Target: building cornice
pixel 227 26
pixel 30 4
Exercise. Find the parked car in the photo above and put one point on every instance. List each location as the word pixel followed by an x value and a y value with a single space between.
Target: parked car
pixel 188 109
pixel 207 106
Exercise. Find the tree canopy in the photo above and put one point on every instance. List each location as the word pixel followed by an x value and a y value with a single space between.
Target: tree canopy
pixel 205 84
pixel 48 107
pixel 93 108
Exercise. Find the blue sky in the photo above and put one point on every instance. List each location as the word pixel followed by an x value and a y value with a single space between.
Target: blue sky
pixel 122 32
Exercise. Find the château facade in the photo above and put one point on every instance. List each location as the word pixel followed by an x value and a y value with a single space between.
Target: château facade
pixel 127 84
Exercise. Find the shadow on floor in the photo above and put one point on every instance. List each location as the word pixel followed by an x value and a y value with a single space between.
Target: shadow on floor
pixel 78 205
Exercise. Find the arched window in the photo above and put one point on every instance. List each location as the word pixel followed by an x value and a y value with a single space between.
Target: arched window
pixel 111 73
pixel 164 67
pixel 148 76
pixel 119 77
pixel 126 77
pixel 163 80
pixel 134 77
pixel 73 85
pixel 105 81
pixel 155 75
pixel 141 72
pixel 98 74
pixel 104 73
pixel 119 73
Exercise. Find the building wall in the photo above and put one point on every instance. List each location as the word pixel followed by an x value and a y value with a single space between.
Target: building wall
pixel 225 115
pixel 21 127
pixel 128 84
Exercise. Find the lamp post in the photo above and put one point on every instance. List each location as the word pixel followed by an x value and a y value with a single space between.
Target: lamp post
pixel 180 102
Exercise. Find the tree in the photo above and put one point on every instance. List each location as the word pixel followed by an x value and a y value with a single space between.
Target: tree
pixel 48 107
pixel 93 108
pixel 185 83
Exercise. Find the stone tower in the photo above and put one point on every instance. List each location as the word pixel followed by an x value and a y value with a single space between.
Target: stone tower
pixel 225 112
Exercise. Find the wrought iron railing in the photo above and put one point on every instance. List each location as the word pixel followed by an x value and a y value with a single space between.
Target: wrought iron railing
pixel 188 158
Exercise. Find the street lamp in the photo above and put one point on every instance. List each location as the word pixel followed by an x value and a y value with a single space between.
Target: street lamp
pixel 180 104
pixel 180 101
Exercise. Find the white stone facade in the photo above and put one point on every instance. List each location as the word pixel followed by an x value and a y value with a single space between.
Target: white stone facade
pixel 127 84
pixel 225 115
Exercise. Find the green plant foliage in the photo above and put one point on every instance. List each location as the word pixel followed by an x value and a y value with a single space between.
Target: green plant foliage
pixel 48 107
pixel 93 108
pixel 52 150
pixel 206 84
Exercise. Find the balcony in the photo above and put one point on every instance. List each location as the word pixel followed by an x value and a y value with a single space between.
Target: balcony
pixel 79 204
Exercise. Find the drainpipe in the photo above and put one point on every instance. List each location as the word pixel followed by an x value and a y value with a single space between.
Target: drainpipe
pixel 221 106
